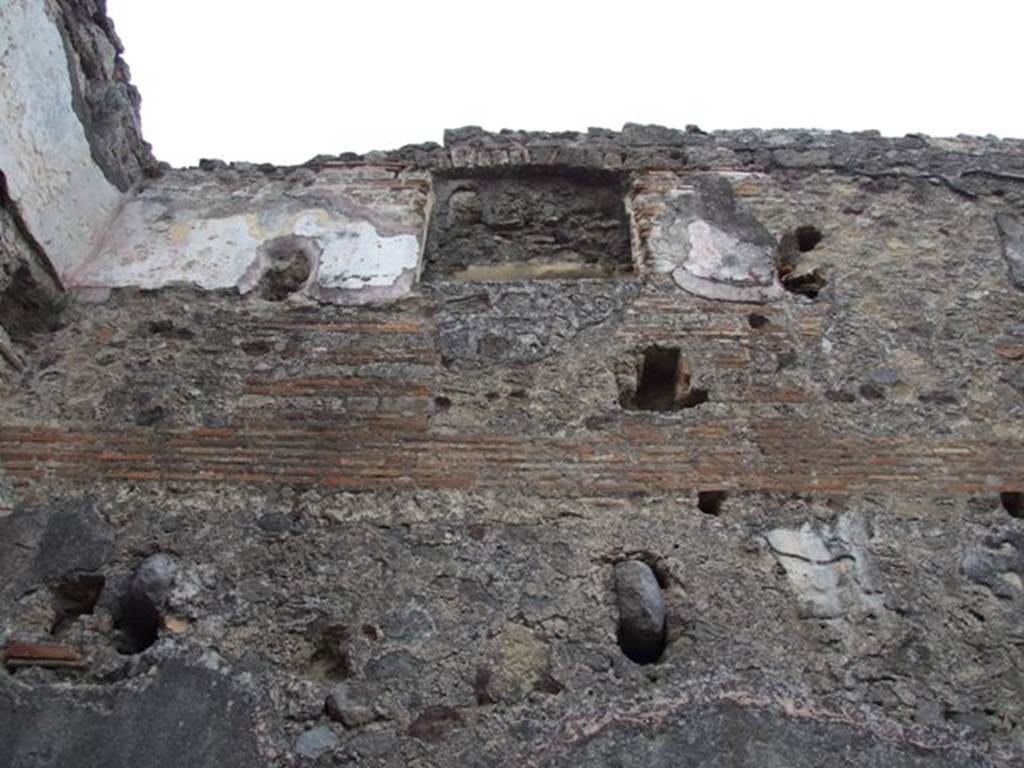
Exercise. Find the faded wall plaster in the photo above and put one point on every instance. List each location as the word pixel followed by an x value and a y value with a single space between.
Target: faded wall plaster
pixel 62 195
pixel 207 229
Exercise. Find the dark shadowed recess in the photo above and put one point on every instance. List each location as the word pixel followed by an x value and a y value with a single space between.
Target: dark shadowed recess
pixel 526 223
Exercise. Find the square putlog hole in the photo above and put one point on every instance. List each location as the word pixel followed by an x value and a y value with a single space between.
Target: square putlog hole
pixel 663 383
pixel 526 224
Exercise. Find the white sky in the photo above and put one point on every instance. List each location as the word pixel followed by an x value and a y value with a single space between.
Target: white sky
pixel 283 80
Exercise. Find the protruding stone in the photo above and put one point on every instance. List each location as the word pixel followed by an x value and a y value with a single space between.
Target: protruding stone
pixel 519 661
pixel 341 708
pixel 1011 231
pixel 641 611
pixel 286 263
pixel 141 611
pixel 997 563
pixel 155 577
pixel 435 723
pixel 316 741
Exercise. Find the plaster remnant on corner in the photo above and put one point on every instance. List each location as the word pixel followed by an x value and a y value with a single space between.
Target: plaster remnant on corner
pixel 62 195
pixel 691 226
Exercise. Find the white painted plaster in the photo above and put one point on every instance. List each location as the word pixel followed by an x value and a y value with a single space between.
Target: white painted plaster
pixel 703 258
pixel 358 257
pixel 209 233
pixel 63 196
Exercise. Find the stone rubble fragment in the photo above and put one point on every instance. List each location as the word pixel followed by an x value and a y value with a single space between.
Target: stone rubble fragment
pixel 341 708
pixel 641 611
pixel 316 741
pixel 1011 232
pixel 155 577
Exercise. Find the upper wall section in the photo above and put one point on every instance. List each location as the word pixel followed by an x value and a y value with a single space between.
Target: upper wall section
pixel 70 143
pixel 345 233
pixel 105 100
pixel 525 206
pixel 77 196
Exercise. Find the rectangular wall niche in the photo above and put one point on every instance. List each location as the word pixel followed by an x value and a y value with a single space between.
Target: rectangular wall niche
pixel 663 383
pixel 527 223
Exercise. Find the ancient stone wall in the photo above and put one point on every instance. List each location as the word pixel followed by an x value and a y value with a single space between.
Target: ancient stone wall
pixel 638 448
pixel 70 147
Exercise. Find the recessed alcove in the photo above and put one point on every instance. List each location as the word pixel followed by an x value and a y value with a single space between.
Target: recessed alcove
pixel 664 383
pixel 522 223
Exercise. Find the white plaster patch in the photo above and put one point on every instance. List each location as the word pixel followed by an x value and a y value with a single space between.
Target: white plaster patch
pixel 210 234
pixel 179 248
pixel 809 568
pixel 62 195
pixel 827 566
pixel 717 255
pixel 728 259
pixel 358 257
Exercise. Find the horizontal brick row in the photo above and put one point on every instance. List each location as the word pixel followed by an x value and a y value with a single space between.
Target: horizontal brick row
pixel 787 456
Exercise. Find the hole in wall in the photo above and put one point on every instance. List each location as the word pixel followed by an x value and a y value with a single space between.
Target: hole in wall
pixel 288 264
pixel 331 659
pixel 27 309
pixel 710 502
pixel 76 595
pixel 795 274
pixel 527 223
pixel 138 620
pixel 664 383
pixel 756 321
pixel 807 238
pixel 139 615
pixel 1013 503
pixel 642 628
pixel 284 278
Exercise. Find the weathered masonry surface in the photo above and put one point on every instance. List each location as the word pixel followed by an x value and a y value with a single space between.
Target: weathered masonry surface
pixel 638 448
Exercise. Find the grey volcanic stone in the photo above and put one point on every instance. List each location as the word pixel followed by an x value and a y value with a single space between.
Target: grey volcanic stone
pixel 76 538
pixel 155 577
pixel 641 611
pixel 184 715
pixel 316 741
pixel 997 563
pixel 1011 230
pixel 342 709
pixel 728 734
pixel 41 545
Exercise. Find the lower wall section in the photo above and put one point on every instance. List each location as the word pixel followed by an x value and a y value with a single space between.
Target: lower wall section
pixel 302 626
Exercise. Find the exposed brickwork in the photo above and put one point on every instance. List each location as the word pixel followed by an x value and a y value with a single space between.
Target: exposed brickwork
pixel 357 413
